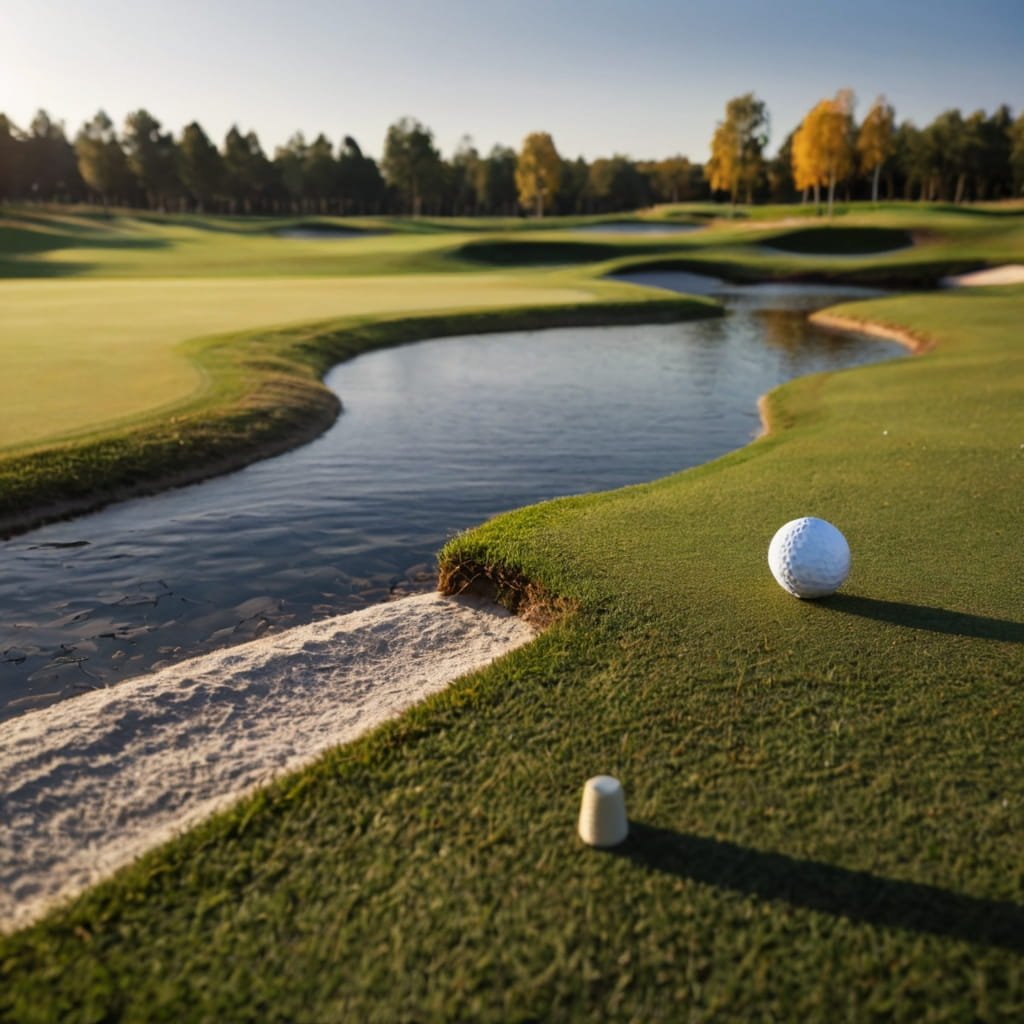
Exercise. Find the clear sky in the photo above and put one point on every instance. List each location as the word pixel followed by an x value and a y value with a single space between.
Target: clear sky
pixel 647 78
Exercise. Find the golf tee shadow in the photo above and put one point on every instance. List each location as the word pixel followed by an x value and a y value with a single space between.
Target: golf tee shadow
pixel 812 885
pixel 934 620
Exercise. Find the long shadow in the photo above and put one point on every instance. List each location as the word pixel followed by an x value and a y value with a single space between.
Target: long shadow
pixel 935 620
pixel 856 895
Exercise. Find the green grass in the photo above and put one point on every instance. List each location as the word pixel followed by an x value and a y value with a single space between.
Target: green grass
pixel 826 796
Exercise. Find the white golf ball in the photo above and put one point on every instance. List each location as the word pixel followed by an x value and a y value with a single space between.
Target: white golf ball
pixel 809 557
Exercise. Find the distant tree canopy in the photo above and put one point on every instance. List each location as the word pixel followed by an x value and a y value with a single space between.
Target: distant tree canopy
pixel 412 163
pixel 151 158
pixel 101 160
pixel 200 165
pixel 737 147
pixel 538 172
pixel 876 141
pixel 823 146
pixel 955 158
pixel 1016 140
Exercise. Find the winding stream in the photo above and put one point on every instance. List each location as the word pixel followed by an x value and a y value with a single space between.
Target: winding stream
pixel 435 437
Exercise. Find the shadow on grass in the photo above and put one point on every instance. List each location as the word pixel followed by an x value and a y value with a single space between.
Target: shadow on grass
pixel 935 620
pixel 14 269
pixel 812 885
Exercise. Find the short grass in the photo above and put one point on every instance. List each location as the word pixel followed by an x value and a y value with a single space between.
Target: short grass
pixel 826 797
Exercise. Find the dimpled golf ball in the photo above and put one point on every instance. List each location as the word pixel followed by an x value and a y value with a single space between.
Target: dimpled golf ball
pixel 809 557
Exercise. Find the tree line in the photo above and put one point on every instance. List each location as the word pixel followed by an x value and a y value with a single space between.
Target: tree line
pixel 952 159
pixel 144 166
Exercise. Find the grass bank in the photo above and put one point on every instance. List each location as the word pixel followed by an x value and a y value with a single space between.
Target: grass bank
pixel 826 796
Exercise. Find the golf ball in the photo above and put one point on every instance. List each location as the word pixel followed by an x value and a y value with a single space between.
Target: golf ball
pixel 809 557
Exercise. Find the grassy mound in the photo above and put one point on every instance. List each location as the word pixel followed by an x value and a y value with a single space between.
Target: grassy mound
pixel 842 241
pixel 826 796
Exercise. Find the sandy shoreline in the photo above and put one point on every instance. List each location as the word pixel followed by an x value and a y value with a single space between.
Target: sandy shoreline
pixel 1008 273
pixel 89 784
pixel 915 342
pixel 822 318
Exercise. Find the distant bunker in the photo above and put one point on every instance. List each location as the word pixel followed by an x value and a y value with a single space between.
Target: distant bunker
pixel 843 241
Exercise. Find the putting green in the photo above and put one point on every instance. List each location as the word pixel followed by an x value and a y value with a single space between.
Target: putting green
pixel 81 355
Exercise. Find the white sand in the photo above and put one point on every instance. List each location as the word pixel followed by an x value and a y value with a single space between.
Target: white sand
pixel 89 784
pixel 1009 273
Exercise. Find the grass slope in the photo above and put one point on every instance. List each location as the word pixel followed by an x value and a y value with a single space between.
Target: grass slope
pixel 827 797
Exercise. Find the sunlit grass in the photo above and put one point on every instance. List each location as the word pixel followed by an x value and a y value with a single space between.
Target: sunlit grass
pixel 826 796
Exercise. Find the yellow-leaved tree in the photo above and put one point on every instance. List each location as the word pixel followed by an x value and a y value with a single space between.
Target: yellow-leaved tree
pixel 737 146
pixel 538 172
pixel 823 146
pixel 876 141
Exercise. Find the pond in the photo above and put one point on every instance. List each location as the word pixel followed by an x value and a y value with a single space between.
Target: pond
pixel 434 437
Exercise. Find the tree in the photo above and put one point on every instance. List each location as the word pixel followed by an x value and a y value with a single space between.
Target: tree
pixel 411 162
pixel 989 153
pixel 781 186
pixel 616 184
pixel 360 184
pixel 823 146
pixel 320 173
pixel 875 141
pixel 247 171
pixel 201 165
pixel 737 147
pixel 947 146
pixel 462 173
pixel 495 181
pixel 538 172
pixel 574 194
pixel 151 157
pixel 10 159
pixel 290 167
pixel 101 160
pixel 1017 154
pixel 673 179
pixel 51 170
pixel 910 160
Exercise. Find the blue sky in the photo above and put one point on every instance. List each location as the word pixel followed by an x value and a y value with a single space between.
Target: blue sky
pixel 647 78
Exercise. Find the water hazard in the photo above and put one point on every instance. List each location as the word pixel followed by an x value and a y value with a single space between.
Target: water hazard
pixel 434 438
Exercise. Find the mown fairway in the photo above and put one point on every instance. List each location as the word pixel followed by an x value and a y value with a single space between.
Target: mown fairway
pixel 827 798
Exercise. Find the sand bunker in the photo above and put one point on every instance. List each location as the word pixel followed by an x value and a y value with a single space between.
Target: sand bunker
pixel 89 784
pixel 1009 273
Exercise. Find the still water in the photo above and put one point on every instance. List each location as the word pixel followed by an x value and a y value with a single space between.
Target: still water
pixel 434 437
